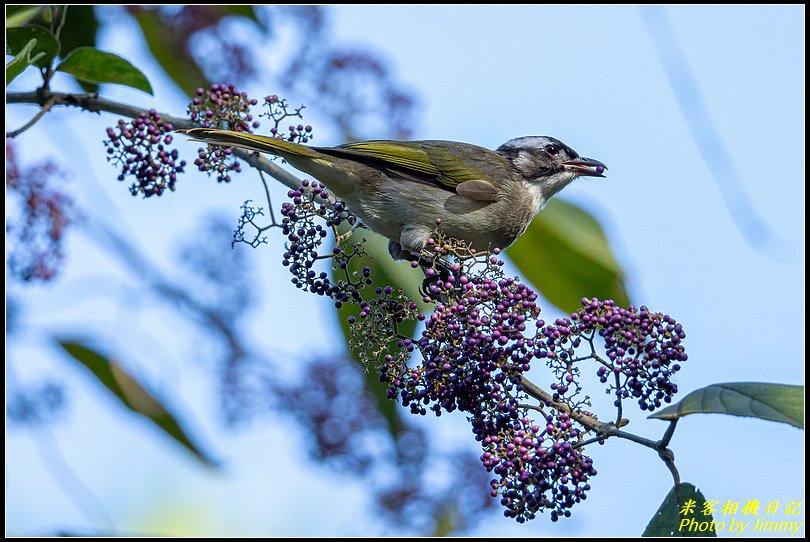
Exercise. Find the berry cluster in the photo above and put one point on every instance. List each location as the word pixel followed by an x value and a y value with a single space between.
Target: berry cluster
pixel 643 349
pixel 141 148
pixel 39 212
pixel 538 467
pixel 221 106
pixel 306 222
pixel 476 346
pixel 472 345
pixel 297 134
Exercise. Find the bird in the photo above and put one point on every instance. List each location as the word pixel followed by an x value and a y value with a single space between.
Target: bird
pixel 403 189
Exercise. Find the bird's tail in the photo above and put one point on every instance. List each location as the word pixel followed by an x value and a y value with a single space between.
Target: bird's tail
pixel 251 142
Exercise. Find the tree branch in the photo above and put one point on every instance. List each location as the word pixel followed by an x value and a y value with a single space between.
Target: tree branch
pixel 94 103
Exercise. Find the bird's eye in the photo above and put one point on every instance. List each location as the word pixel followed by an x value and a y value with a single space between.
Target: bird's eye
pixel 552 149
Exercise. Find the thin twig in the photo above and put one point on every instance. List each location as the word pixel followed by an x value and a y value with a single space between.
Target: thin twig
pixel 58 20
pixel 41 113
pixel 668 457
pixel 589 441
pixel 543 396
pixel 269 201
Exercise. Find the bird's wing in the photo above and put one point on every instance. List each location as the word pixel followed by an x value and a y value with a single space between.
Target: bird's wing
pixel 418 160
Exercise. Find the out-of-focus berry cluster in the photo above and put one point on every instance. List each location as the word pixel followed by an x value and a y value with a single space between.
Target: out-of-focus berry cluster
pixel 141 148
pixel 39 210
pixel 34 404
pixel 348 430
pixel 221 106
pixel 643 349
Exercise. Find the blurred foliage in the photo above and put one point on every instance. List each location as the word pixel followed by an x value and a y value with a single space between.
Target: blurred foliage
pixel 81 28
pixel 117 380
pixel 169 45
pixel 83 25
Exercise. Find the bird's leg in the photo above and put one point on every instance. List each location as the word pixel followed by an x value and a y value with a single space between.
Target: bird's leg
pixel 426 263
pixel 340 238
pixel 414 238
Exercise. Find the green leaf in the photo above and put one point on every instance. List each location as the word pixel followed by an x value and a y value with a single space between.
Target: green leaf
pixel 775 402
pixel 681 514
pixel 19 37
pixel 23 59
pixel 566 256
pixel 132 394
pixel 171 51
pixel 94 66
pixel 384 272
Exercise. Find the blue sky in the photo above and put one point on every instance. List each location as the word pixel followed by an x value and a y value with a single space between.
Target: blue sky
pixel 589 76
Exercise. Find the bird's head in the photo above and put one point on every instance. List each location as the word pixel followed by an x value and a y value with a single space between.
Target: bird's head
pixel 548 165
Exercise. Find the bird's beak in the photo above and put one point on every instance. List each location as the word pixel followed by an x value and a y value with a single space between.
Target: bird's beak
pixel 585 167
